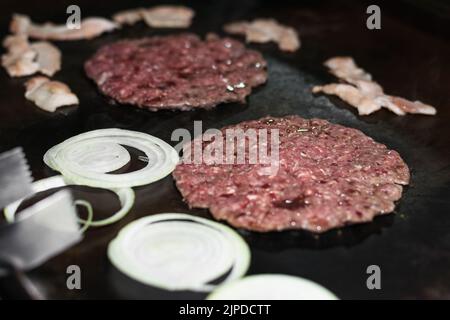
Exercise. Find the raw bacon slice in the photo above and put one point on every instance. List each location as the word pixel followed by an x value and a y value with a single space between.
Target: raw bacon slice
pixel 157 17
pixel 24 59
pixel 365 94
pixel 49 95
pixel 266 30
pixel 90 28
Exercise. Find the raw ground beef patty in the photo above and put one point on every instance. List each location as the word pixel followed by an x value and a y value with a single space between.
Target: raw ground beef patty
pixel 329 176
pixel 177 71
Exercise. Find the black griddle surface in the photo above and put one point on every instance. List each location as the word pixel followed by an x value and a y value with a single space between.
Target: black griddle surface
pixel 409 56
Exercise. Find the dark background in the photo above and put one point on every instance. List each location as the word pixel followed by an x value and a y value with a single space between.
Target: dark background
pixel 409 56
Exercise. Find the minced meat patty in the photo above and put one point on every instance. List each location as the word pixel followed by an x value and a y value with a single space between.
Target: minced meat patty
pixel 177 71
pixel 329 176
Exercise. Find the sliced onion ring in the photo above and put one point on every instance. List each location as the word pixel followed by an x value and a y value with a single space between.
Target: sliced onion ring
pixel 90 217
pixel 272 287
pixel 125 195
pixel 176 251
pixel 88 157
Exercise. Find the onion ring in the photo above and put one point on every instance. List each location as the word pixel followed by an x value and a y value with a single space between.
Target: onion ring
pixel 87 158
pixel 125 195
pixel 176 251
pixel 272 287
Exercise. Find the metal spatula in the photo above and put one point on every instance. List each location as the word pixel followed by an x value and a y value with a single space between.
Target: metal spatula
pixel 40 232
pixel 15 177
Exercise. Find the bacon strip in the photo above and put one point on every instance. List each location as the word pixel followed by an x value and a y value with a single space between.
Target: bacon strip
pixel 407 106
pixel 48 57
pixel 352 95
pixel 90 28
pixel 345 68
pixel 20 59
pixel 49 95
pixel 365 94
pixel 266 30
pixel 24 59
pixel 157 17
pixel 129 17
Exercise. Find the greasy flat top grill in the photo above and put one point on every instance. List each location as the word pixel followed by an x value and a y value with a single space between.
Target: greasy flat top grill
pixel 408 56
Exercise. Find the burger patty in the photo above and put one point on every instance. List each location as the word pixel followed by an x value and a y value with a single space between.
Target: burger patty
pixel 177 71
pixel 328 176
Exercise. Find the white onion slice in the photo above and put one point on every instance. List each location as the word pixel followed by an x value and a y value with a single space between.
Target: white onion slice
pixel 272 287
pixel 125 195
pixel 88 157
pixel 176 251
pixel 90 217
pixel 102 158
